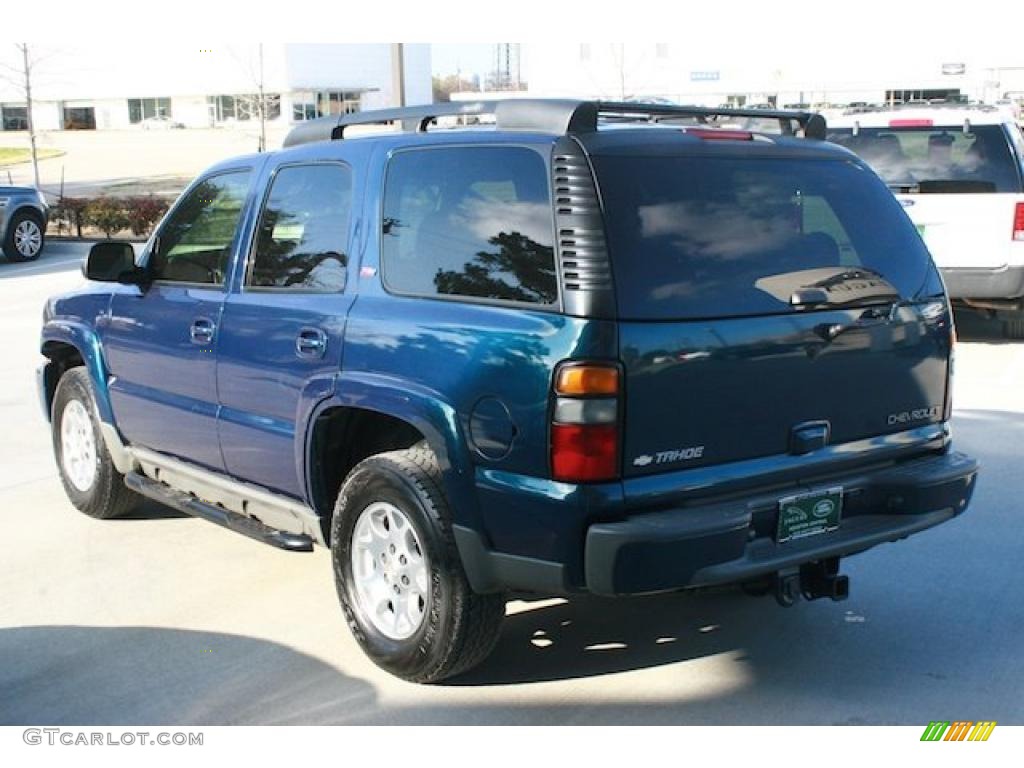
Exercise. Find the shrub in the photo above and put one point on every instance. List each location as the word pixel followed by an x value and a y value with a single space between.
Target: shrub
pixel 143 212
pixel 107 214
pixel 69 211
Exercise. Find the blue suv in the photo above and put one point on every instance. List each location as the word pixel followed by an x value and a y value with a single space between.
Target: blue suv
pixel 556 347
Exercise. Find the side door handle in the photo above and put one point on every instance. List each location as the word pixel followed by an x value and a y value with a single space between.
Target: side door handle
pixel 202 330
pixel 311 343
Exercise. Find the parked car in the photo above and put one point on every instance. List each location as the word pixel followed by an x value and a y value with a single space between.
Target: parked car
pixel 559 355
pixel 159 123
pixel 23 216
pixel 959 173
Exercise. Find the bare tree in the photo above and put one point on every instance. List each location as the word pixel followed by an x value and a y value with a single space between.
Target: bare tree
pixel 20 76
pixel 255 104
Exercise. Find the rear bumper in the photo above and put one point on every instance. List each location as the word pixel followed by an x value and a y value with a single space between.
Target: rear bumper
pixel 1006 282
pixel 590 538
pixel 733 541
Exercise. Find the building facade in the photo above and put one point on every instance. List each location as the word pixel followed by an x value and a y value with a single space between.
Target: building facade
pixel 676 72
pixel 96 88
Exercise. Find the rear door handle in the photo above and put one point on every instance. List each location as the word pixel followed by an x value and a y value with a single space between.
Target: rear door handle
pixel 311 342
pixel 202 330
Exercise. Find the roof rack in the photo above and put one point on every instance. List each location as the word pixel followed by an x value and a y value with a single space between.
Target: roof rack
pixel 558 116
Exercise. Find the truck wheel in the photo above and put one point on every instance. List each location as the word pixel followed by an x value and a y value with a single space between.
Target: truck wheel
pixel 25 238
pixel 90 479
pixel 398 573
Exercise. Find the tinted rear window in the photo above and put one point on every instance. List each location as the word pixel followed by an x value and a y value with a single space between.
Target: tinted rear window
pixel 695 237
pixel 936 159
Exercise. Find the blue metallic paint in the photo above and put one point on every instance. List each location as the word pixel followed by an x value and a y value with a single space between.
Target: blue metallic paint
pixel 164 391
pixel 268 392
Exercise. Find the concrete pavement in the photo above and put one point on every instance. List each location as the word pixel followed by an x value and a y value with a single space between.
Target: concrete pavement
pixel 163 619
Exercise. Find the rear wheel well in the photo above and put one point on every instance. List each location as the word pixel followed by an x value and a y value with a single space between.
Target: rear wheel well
pixel 343 437
pixel 63 357
pixel 32 212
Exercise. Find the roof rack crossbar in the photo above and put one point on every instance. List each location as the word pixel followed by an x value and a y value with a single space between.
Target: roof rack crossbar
pixel 558 116
pixel 412 119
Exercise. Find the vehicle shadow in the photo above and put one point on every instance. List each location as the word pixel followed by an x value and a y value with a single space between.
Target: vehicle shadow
pixel 82 675
pixel 586 636
pixel 152 510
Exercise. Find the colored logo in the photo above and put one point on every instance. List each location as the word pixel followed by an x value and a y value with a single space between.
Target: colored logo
pixel 961 730
pixel 795 515
pixel 824 508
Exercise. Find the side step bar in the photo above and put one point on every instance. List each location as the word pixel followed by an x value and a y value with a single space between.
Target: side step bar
pixel 190 505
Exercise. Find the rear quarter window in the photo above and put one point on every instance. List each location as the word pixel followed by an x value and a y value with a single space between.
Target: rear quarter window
pixel 709 237
pixel 471 222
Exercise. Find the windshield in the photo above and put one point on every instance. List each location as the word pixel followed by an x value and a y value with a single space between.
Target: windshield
pixel 702 237
pixel 936 159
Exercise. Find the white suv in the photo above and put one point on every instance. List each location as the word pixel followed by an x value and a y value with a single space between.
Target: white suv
pixel 959 173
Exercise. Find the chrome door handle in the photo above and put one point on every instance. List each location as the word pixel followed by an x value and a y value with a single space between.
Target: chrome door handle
pixel 202 330
pixel 311 342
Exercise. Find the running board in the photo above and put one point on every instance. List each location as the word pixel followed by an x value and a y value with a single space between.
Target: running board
pixel 190 505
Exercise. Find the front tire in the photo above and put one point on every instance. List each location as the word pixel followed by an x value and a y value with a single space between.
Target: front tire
pixel 399 577
pixel 87 472
pixel 25 237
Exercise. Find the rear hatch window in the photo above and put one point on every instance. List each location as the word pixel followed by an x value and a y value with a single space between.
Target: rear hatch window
pixel 713 236
pixel 936 159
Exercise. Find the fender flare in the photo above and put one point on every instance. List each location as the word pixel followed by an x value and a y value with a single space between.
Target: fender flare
pixel 87 343
pixel 427 411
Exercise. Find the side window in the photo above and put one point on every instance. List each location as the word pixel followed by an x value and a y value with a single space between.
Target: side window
pixel 469 221
pixel 194 244
pixel 303 230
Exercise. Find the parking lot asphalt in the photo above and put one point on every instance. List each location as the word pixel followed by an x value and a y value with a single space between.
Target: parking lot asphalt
pixel 129 161
pixel 164 619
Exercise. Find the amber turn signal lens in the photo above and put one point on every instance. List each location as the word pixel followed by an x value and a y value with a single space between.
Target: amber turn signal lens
pixel 587 380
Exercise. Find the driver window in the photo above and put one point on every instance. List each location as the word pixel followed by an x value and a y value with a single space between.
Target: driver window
pixel 194 244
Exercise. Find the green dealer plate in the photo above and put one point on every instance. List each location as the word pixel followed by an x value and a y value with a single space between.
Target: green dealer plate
pixel 807 514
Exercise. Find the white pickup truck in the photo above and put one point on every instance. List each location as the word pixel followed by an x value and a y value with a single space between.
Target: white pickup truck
pixel 959 173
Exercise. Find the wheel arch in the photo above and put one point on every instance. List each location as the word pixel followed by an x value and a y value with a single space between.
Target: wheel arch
pixel 369 414
pixel 65 345
pixel 32 211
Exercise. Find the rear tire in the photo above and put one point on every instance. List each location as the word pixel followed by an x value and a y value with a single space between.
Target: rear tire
pixel 91 481
pixel 25 237
pixel 393 504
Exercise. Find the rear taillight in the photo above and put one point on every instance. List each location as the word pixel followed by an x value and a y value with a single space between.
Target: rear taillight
pixel 585 430
pixel 1018 222
pixel 911 123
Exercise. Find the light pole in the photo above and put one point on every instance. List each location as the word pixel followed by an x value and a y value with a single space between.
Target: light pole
pixel 398 74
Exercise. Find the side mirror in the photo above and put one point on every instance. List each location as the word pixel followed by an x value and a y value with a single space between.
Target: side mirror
pixel 111 262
